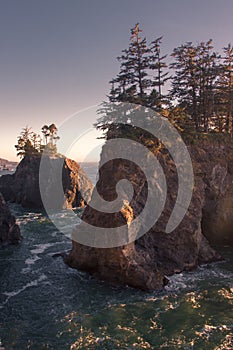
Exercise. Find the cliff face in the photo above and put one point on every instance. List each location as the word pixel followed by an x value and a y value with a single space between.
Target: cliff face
pixel 23 186
pixel 146 263
pixel 9 230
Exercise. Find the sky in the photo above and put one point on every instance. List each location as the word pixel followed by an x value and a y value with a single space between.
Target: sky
pixel 57 56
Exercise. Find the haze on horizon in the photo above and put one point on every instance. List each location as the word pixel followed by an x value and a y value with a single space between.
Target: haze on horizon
pixel 57 57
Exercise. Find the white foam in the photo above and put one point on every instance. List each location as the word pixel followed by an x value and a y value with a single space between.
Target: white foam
pixel 191 279
pixel 31 261
pixel 28 285
pixel 40 248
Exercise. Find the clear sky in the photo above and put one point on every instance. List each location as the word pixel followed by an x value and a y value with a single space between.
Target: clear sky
pixel 57 56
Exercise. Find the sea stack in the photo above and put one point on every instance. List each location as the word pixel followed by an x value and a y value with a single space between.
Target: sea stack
pixel 148 262
pixel 23 187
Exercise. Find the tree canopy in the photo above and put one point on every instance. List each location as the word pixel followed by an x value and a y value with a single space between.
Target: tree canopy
pixel 195 90
pixel 29 142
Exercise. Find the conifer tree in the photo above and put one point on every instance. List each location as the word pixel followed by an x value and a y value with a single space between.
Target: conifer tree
pixel 132 81
pixel 207 71
pixel 31 143
pixel 196 71
pixel 224 93
pixel 139 81
pixel 161 76
pixel 25 143
pixel 184 80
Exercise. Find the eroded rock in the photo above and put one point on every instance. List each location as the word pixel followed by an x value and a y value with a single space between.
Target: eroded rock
pixel 23 186
pixel 9 230
pixel 145 263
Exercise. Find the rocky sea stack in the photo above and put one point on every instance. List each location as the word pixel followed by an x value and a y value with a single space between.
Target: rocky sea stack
pixel 147 262
pixel 23 187
pixel 9 230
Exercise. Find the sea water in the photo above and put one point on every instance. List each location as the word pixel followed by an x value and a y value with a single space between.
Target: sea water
pixel 44 304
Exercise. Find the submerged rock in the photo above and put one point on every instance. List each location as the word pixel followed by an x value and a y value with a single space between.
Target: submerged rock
pixel 146 262
pixel 23 186
pixel 9 230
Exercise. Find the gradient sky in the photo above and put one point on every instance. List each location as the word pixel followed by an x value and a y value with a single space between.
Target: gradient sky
pixel 57 57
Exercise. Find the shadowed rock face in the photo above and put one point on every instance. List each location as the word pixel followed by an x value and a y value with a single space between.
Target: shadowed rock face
pixel 23 186
pixel 9 230
pixel 217 220
pixel 145 263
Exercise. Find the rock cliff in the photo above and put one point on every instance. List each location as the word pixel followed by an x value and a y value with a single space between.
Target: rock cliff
pixel 23 186
pixel 147 262
pixel 9 230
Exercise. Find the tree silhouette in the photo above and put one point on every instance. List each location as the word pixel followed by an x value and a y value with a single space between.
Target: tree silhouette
pixel 29 142
pixel 139 80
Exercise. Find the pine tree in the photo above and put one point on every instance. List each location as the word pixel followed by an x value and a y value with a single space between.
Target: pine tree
pixel 25 143
pixel 31 143
pixel 132 81
pixel 196 71
pixel 207 72
pixel 139 81
pixel 185 81
pixel 224 92
pixel 161 76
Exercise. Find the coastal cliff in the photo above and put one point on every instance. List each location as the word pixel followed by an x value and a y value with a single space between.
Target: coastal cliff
pixel 147 262
pixel 9 230
pixel 23 187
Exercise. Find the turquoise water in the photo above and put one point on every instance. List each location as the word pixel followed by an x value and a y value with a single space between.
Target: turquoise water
pixel 46 305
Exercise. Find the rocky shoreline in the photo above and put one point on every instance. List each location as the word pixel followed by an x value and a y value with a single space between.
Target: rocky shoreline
pixel 148 262
pixel 23 187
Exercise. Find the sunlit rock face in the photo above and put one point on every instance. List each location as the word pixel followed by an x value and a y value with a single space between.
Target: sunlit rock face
pixel 23 186
pixel 147 262
pixel 9 230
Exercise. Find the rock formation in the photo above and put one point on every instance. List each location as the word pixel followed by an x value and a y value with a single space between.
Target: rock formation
pixel 217 212
pixel 147 262
pixel 9 230
pixel 23 186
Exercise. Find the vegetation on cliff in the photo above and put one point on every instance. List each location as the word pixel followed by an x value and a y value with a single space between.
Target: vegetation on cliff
pixel 36 175
pixel 199 104
pixel 29 142
pixel 194 91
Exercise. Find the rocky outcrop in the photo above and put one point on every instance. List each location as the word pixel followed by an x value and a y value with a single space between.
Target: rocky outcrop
pixel 23 186
pixel 145 263
pixel 9 230
pixel 217 212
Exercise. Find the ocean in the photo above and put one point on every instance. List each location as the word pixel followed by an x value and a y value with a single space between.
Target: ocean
pixel 44 304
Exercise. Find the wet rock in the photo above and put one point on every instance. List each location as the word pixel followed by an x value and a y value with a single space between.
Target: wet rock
pixel 9 230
